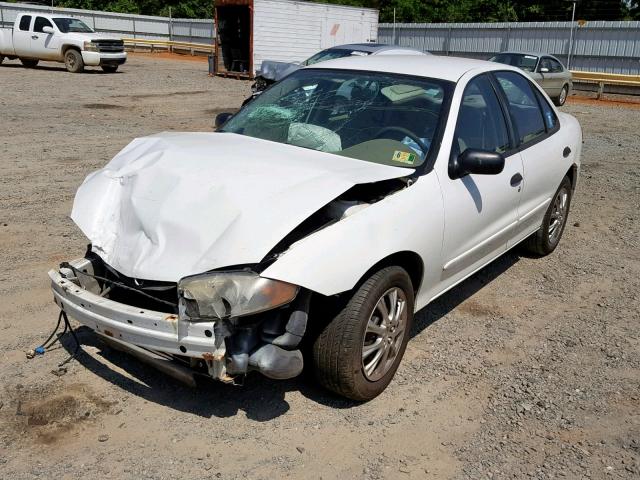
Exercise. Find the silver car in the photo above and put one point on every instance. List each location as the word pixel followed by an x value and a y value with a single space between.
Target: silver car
pixel 545 69
pixel 272 71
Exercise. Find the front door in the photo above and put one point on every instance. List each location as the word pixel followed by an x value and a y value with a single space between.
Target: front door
pixel 41 42
pixel 551 80
pixel 480 210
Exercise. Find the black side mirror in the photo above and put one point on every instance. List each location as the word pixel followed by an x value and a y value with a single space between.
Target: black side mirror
pixel 480 162
pixel 222 118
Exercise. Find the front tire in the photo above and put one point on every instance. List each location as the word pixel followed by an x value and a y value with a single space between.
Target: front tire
pixel 73 61
pixel 359 351
pixel 29 63
pixel 562 98
pixel 109 68
pixel 546 239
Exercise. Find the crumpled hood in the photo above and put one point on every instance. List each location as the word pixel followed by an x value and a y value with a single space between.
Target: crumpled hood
pixel 178 204
pixel 272 70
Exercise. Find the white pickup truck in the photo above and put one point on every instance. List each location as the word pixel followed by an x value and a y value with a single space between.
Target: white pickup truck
pixel 57 38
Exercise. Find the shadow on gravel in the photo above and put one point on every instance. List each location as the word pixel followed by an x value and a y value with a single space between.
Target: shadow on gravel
pixel 95 71
pixel 454 297
pixel 260 398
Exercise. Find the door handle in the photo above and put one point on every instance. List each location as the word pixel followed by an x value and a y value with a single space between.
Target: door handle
pixel 566 152
pixel 516 180
pixel 34 37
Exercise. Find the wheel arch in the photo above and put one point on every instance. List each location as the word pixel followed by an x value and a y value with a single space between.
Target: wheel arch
pixel 69 46
pixel 407 260
pixel 572 173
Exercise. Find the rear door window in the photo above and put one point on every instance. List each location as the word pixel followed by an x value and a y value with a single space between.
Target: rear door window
pixel 25 21
pixel 523 106
pixel 481 124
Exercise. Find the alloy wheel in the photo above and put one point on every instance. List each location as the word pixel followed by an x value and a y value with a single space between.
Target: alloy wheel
pixel 558 216
pixel 384 334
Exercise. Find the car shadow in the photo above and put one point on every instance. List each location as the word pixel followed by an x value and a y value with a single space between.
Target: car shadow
pixel 260 398
pixel 444 304
pixel 50 68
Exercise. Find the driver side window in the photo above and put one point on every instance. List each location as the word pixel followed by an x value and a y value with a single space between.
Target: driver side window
pixel 481 123
pixel 40 23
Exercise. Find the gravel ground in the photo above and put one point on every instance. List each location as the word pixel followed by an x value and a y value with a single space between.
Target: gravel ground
pixel 531 368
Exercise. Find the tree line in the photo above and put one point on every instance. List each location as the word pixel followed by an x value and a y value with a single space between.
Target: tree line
pixel 405 10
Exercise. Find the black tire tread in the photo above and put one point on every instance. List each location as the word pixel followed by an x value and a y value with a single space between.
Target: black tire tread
pixel 537 244
pixel 334 343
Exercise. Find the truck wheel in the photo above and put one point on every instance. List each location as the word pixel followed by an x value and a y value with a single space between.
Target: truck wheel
pixel 546 239
pixel 109 68
pixel 73 61
pixel 28 63
pixel 358 353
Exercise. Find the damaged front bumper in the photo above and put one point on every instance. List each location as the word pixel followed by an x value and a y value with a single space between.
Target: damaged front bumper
pixel 222 349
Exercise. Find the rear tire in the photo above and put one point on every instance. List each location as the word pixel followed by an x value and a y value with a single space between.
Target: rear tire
pixel 73 61
pixel 29 63
pixel 344 354
pixel 562 98
pixel 109 68
pixel 546 239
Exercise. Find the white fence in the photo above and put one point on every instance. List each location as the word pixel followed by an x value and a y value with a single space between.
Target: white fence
pixel 135 26
pixel 597 46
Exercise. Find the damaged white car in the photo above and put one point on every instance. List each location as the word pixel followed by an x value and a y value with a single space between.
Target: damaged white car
pixel 319 218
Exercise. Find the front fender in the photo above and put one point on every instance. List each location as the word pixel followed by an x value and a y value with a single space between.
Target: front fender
pixel 334 259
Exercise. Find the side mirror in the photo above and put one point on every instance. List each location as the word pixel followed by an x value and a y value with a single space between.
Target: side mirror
pixel 480 162
pixel 48 30
pixel 222 118
pixel 544 70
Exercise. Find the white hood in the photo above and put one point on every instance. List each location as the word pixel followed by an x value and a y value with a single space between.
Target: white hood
pixel 87 37
pixel 178 204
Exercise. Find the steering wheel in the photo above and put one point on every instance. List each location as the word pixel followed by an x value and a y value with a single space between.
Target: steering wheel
pixel 406 133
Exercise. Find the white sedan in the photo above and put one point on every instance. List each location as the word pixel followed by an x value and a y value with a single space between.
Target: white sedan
pixel 319 218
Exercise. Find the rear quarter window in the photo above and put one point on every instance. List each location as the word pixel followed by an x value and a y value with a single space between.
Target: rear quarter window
pixel 24 23
pixel 550 118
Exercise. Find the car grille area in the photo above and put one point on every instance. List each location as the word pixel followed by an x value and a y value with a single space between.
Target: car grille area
pixel 109 46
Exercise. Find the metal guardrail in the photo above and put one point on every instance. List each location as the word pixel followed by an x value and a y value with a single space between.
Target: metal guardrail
pixel 614 82
pixel 610 78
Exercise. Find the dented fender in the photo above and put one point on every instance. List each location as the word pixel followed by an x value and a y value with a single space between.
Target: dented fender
pixel 333 259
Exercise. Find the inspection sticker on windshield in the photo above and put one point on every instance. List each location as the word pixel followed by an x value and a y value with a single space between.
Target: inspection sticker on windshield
pixel 404 157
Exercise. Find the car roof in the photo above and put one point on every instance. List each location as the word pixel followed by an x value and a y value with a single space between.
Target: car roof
pixel 534 54
pixel 49 16
pixel 430 66
pixel 371 47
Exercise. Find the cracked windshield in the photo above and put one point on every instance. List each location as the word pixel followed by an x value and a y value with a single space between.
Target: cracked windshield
pixel 378 117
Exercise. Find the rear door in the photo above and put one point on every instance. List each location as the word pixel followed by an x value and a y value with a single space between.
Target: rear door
pixel 42 44
pixel 480 210
pixel 22 36
pixel 542 150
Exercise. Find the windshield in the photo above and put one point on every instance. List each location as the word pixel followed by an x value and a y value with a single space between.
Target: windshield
pixel 520 60
pixel 333 53
pixel 379 117
pixel 66 25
